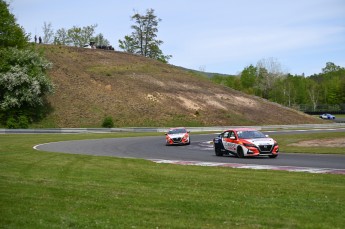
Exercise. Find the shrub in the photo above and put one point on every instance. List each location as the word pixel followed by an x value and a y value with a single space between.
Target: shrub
pixel 11 123
pixel 23 83
pixel 22 122
pixel 108 122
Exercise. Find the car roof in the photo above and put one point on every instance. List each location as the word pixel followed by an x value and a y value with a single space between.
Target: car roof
pixel 175 128
pixel 241 129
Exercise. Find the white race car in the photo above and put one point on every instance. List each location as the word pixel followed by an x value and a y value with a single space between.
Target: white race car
pixel 327 116
pixel 243 142
pixel 177 136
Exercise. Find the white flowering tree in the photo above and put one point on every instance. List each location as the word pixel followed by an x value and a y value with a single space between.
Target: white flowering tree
pixel 22 79
pixel 23 83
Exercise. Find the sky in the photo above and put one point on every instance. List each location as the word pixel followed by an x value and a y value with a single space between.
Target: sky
pixel 218 36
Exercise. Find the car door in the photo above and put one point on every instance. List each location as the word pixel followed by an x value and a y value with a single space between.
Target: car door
pixel 229 141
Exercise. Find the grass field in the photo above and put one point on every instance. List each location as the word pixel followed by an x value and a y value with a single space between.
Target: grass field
pixel 56 190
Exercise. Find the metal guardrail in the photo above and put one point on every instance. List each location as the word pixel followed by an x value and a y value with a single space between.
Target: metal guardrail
pixel 164 129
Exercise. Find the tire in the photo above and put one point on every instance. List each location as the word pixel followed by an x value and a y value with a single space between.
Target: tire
pixel 273 156
pixel 240 152
pixel 218 152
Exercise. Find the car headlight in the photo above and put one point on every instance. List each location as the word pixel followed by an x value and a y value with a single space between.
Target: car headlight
pixel 249 145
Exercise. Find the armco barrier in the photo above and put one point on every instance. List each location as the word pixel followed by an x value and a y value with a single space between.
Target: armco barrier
pixel 164 129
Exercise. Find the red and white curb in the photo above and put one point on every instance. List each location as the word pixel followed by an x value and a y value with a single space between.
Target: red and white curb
pixel 253 166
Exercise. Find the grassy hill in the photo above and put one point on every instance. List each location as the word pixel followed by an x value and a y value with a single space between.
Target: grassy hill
pixel 137 91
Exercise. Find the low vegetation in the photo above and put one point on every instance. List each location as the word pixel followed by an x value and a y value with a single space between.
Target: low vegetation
pixel 138 91
pixel 320 143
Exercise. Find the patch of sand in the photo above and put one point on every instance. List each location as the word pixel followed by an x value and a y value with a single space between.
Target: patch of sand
pixel 240 100
pixel 215 103
pixel 189 103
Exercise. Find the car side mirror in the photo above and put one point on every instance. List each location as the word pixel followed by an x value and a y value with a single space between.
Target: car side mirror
pixel 267 136
pixel 232 138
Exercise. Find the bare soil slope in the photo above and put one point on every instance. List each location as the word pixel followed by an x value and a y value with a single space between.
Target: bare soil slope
pixel 137 91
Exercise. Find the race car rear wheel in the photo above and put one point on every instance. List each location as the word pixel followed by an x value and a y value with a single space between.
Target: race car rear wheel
pixel 218 152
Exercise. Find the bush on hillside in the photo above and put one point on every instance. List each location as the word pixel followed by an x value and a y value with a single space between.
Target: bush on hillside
pixel 108 122
pixel 23 83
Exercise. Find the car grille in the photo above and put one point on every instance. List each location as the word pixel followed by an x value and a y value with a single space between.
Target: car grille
pixel 265 148
pixel 177 140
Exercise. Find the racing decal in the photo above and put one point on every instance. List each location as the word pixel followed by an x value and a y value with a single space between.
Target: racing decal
pixel 253 166
pixel 228 145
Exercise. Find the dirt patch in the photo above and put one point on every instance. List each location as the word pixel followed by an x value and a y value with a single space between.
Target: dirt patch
pixel 215 103
pixel 189 104
pixel 337 142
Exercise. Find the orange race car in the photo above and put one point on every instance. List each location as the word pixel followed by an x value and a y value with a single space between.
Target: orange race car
pixel 177 136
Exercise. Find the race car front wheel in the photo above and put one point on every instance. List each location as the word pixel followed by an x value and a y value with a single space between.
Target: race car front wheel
pixel 240 152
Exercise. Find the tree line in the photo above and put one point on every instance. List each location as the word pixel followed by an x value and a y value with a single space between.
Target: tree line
pixel 76 36
pixel 323 91
pixel 142 41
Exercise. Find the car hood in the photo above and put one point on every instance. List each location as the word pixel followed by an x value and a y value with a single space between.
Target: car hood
pixel 261 141
pixel 180 135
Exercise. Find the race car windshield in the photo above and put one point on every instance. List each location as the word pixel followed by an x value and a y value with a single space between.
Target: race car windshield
pixel 177 131
pixel 250 134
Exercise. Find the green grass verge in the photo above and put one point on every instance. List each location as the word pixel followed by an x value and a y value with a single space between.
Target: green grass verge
pixel 285 142
pixel 56 190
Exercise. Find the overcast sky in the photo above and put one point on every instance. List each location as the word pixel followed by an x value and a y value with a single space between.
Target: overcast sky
pixel 222 36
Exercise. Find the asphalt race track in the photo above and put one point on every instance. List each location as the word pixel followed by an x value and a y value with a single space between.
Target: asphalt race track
pixel 200 150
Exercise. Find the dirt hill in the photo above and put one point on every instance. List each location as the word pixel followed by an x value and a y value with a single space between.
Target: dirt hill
pixel 138 91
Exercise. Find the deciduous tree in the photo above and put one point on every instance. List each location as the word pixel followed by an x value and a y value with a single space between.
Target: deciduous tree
pixel 61 37
pixel 143 40
pixel 248 79
pixel 80 36
pixel 22 79
pixel 269 70
pixel 100 40
pixel 11 34
pixel 48 33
